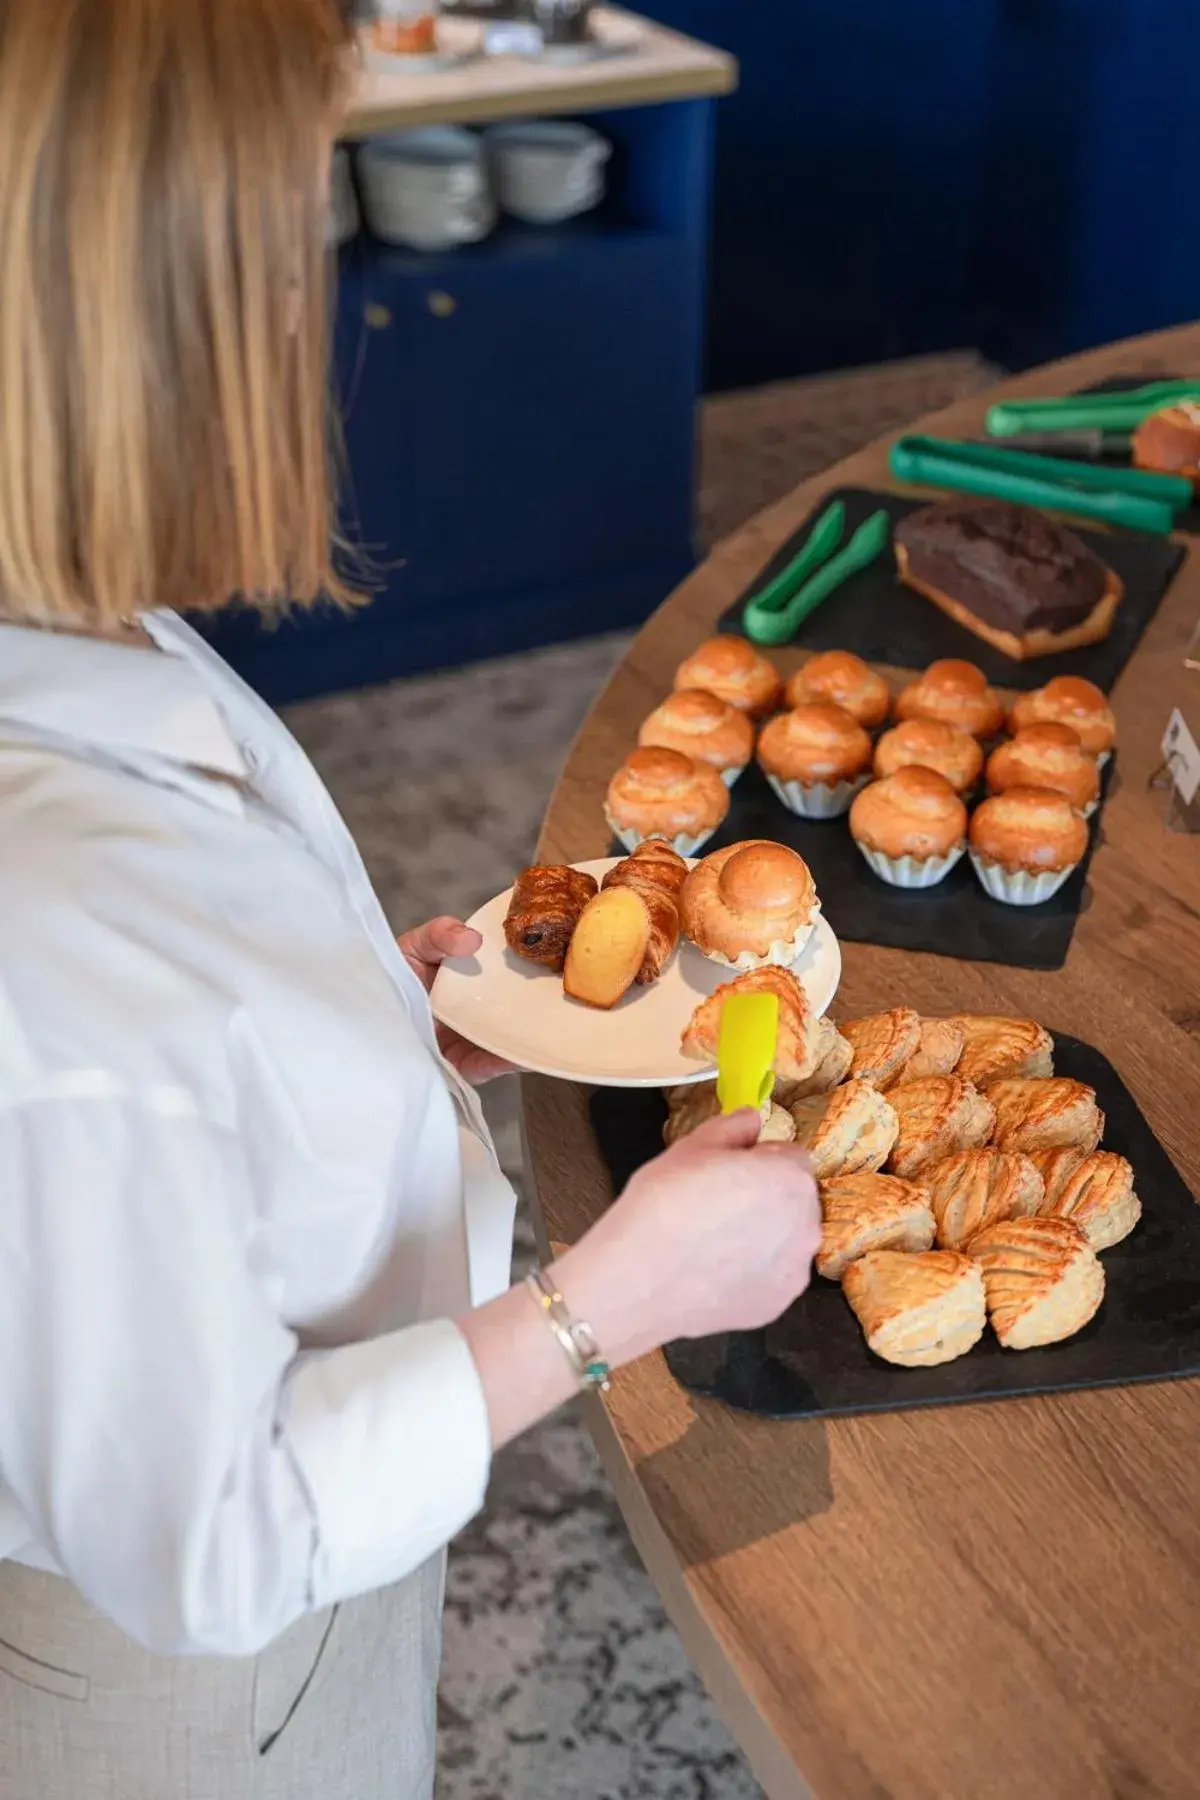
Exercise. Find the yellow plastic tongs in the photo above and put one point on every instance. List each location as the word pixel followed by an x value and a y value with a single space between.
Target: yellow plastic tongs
pixel 746 1050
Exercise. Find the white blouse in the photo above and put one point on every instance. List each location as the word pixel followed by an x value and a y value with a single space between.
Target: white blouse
pixel 241 1194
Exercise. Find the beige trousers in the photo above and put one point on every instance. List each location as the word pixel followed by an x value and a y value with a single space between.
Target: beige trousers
pixel 341 1708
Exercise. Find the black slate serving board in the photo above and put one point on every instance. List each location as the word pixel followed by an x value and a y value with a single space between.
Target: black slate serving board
pixel 815 1360
pixel 955 918
pixel 875 615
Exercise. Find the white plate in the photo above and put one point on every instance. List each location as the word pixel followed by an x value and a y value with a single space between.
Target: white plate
pixel 518 1010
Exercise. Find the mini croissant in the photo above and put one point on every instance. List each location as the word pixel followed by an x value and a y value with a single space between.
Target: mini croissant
pixel 656 873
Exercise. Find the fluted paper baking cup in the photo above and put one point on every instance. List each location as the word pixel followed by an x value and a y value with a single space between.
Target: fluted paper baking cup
pixel 1018 887
pixel 817 799
pixel 783 953
pixel 911 871
pixel 682 844
pixel 729 776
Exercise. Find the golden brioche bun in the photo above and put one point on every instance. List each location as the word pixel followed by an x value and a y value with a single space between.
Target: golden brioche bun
pixel 1029 828
pixel 931 744
pixel 660 791
pixel 702 726
pixel 846 680
pixel 914 812
pixel 1068 700
pixel 816 741
pixel 750 904
pixel 955 692
pixel 735 672
pixel 1046 756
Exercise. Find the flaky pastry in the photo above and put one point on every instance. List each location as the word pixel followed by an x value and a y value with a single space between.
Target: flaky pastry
pixel 1098 1196
pixel 976 1188
pixel 695 1103
pixel 1034 1114
pixel 849 1129
pixel 996 1047
pixel 750 904
pixel 865 1212
pixel 701 726
pixel 938 1051
pixel 834 1057
pixel 1042 1278
pixel 798 1038
pixel 936 1116
pixel 735 672
pixel 846 680
pixel 882 1043
pixel 917 1310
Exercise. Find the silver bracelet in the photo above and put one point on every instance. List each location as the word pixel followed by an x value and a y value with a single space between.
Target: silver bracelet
pixel 578 1341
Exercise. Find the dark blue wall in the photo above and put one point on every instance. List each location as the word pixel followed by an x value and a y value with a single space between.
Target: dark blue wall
pixel 896 176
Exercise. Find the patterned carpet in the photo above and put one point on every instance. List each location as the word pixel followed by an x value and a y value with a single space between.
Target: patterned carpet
pixel 561 1675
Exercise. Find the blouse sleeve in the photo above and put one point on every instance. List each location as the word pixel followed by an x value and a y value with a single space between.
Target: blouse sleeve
pixel 200 1480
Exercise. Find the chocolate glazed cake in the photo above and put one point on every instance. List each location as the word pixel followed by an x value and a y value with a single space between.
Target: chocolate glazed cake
pixel 1026 585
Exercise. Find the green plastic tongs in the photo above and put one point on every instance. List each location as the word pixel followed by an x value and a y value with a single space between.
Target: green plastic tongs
pixel 776 612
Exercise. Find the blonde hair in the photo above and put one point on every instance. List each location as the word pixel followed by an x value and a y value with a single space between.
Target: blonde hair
pixel 163 304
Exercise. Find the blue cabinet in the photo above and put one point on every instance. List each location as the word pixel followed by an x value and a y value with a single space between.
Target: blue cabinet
pixel 518 423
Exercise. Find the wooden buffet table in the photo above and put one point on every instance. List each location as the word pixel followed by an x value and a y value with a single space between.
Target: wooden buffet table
pixel 981 1602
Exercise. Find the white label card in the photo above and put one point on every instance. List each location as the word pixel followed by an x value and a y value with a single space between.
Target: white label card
pixel 1182 757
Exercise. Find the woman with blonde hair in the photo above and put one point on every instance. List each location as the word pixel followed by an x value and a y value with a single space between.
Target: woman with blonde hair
pixel 257 1338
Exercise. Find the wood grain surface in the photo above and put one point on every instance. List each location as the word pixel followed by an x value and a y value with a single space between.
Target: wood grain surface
pixel 992 1602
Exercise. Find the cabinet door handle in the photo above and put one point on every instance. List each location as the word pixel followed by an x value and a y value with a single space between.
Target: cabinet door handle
pixel 441 304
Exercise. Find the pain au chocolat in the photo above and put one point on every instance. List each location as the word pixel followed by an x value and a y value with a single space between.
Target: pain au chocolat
pixel 1010 575
pixel 973 1189
pixel 852 1128
pixel 546 905
pixel 917 1311
pixel 867 1212
pixel 1034 1114
pixel 936 1116
pixel 1042 1279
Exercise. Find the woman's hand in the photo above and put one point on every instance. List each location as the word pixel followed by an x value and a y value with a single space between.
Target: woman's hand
pixel 717 1234
pixel 424 949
